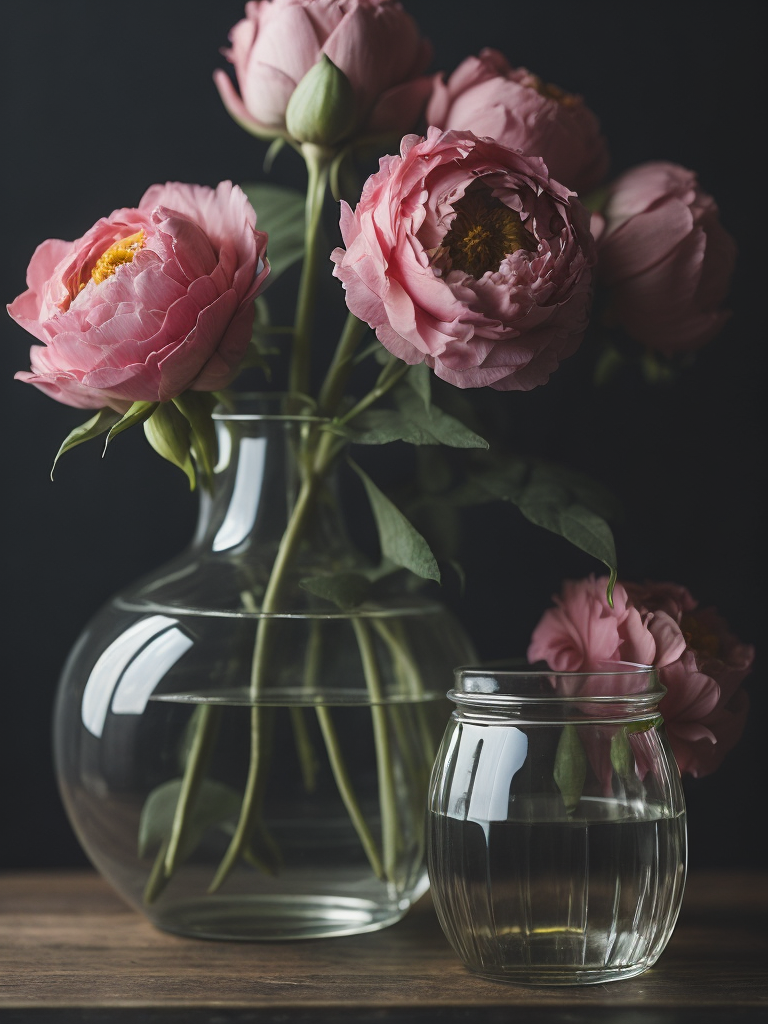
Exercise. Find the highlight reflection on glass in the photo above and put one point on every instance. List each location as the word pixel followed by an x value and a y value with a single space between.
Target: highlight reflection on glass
pixel 130 668
pixel 246 494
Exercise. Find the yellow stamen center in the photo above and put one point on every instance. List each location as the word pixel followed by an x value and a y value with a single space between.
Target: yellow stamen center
pixel 698 638
pixel 483 232
pixel 552 92
pixel 116 255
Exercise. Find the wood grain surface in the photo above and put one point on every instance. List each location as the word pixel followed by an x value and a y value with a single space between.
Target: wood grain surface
pixel 71 950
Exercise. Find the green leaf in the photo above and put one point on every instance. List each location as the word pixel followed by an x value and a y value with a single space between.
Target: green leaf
pixel 347 590
pixel 419 377
pixel 99 424
pixel 560 500
pixel 279 212
pixel 215 805
pixel 570 767
pixel 585 529
pixel 138 412
pixel 169 434
pixel 400 541
pixel 415 425
pixel 621 754
pixel 274 148
pixel 196 407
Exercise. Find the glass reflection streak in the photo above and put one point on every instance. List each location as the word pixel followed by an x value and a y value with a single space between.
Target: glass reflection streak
pixel 129 670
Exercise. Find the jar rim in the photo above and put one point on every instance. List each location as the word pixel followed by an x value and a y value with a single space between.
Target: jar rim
pixel 497 684
pixel 512 668
pixel 258 406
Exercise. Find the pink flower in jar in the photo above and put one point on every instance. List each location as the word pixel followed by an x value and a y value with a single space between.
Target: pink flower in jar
pixel 665 259
pixel 487 96
pixel 376 43
pixel 700 662
pixel 150 302
pixel 705 707
pixel 464 254
pixel 582 631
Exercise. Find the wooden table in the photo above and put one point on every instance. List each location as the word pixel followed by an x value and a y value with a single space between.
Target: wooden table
pixel 71 952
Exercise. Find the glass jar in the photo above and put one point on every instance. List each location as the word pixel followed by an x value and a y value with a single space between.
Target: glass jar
pixel 556 836
pixel 240 756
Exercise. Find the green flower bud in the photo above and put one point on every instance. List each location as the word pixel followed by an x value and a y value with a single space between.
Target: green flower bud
pixel 321 110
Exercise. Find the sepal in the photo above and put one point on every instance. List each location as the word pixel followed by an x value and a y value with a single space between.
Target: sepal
pixel 170 434
pixel 196 407
pixel 99 424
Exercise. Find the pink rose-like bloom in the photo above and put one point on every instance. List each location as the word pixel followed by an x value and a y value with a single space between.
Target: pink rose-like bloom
pixel 705 707
pixel 700 662
pixel 583 631
pixel 488 97
pixel 464 254
pixel 374 42
pixel 147 304
pixel 664 258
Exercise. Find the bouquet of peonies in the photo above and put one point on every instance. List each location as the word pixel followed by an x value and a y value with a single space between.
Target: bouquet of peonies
pixel 488 243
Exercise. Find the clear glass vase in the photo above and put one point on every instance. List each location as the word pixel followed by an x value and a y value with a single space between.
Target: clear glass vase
pixel 238 756
pixel 557 832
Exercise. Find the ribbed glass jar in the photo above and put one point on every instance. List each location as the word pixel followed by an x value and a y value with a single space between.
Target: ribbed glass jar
pixel 556 825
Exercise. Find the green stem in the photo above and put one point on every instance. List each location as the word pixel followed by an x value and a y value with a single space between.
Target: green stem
pixel 194 771
pixel 336 757
pixel 304 746
pixel 407 670
pixel 387 380
pixel 288 545
pixel 346 791
pixel 342 364
pixel 198 756
pixel 318 165
pixel 387 802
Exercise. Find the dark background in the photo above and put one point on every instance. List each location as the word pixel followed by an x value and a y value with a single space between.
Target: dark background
pixel 99 102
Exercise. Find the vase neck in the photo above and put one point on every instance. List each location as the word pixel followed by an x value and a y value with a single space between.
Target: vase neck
pixel 257 480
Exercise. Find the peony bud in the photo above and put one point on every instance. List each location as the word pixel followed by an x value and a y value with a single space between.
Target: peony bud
pixel 321 110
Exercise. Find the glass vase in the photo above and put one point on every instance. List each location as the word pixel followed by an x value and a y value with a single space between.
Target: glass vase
pixel 557 830
pixel 240 757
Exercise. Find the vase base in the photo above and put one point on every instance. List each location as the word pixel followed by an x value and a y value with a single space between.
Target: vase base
pixel 276 918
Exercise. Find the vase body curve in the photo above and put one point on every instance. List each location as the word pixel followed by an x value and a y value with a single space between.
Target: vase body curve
pixel 213 707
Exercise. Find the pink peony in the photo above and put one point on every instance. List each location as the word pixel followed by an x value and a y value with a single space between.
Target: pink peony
pixel 147 304
pixel 664 257
pixel 374 42
pixel 464 254
pixel 487 96
pixel 582 631
pixel 701 664
pixel 705 707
